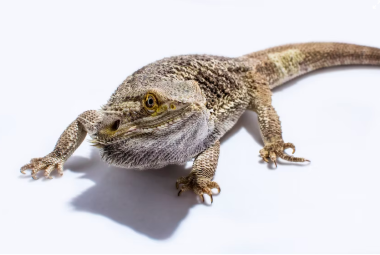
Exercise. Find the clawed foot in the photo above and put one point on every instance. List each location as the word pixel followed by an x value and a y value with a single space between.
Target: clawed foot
pixel 274 150
pixel 47 164
pixel 199 185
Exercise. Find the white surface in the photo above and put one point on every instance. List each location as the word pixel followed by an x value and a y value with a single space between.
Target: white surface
pixel 58 59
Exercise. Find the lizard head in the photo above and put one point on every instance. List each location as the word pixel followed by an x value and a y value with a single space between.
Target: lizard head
pixel 146 124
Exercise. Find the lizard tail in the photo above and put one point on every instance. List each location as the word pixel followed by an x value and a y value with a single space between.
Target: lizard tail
pixel 281 64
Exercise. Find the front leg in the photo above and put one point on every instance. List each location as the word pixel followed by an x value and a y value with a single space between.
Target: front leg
pixel 199 179
pixel 270 127
pixel 67 143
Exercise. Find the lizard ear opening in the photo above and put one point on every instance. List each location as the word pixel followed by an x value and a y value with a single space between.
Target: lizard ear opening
pixel 115 126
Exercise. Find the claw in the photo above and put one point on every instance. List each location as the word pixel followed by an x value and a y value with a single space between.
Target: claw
pixel 276 150
pixel 266 160
pixel 177 185
pixel 200 186
pixel 273 157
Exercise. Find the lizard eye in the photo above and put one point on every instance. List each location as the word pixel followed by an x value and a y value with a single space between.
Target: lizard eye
pixel 150 102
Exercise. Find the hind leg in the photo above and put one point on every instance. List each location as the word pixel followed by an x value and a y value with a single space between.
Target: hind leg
pixel 270 127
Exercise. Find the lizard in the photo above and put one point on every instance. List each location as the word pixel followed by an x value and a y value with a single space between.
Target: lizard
pixel 177 109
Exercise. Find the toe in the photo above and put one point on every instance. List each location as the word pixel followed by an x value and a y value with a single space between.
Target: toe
pixel 33 160
pixel 292 159
pixel 34 176
pixel 183 188
pixel 48 171
pixel 60 169
pixel 273 157
pixel 214 185
pixel 208 192
pixel 25 167
pixel 291 146
pixel 180 180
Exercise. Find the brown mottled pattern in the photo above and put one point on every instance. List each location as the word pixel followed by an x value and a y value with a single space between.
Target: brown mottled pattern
pixel 197 99
pixel 317 55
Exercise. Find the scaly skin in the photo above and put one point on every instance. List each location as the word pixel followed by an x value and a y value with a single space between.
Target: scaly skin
pixel 178 108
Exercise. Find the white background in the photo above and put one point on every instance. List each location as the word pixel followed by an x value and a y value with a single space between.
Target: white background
pixel 58 59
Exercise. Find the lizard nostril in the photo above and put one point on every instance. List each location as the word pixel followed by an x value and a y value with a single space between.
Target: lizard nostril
pixel 115 125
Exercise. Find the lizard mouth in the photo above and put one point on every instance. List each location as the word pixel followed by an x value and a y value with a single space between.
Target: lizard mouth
pixel 116 133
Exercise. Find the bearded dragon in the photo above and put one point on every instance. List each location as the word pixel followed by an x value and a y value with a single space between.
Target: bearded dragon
pixel 177 109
